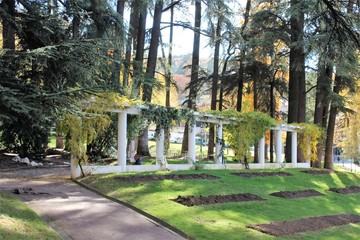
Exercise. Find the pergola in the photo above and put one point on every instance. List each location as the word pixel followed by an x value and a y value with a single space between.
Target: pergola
pixel 191 157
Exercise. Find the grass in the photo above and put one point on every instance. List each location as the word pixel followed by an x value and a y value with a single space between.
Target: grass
pixel 228 221
pixel 174 154
pixel 17 221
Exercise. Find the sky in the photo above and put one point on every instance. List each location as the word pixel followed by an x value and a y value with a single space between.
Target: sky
pixel 183 38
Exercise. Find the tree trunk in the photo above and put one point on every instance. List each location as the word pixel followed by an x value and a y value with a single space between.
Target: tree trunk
pixel 328 160
pixel 168 75
pixel 76 22
pixel 214 88
pixel 139 57
pixel 52 7
pixel 143 146
pixel 194 70
pixel 321 103
pixel 118 49
pixel 96 12
pixel 222 80
pixel 130 42
pixel 272 114
pixel 256 145
pixel 297 92
pixel 8 31
pixel 150 70
pixel 242 60
pixel 55 7
pixel 153 49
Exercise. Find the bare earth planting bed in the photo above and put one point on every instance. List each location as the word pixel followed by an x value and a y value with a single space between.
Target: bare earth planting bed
pixel 347 190
pixel 306 224
pixel 166 177
pixel 297 194
pixel 261 174
pixel 216 199
pixel 318 172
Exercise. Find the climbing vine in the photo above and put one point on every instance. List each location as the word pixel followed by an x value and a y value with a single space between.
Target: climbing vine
pixel 165 117
pixel 308 138
pixel 136 125
pixel 82 129
pixel 84 125
pixel 245 130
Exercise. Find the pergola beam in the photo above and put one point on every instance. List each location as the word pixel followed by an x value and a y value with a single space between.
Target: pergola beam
pixel 219 120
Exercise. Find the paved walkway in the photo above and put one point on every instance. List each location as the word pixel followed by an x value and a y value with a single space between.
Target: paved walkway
pixel 348 165
pixel 77 213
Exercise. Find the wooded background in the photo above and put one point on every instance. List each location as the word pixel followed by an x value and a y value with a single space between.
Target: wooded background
pixel 297 60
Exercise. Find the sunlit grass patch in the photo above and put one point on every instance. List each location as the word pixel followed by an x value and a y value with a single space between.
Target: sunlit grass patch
pixel 18 221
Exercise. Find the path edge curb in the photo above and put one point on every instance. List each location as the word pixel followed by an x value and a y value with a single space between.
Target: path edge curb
pixel 154 219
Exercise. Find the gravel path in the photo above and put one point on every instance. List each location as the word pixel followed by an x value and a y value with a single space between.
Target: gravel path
pixel 36 173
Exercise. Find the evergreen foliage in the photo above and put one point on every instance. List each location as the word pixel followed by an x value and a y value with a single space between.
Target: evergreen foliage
pixel 46 75
pixel 55 54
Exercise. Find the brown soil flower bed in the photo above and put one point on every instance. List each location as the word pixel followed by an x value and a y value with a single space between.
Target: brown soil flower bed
pixel 317 172
pixel 216 199
pixel 306 224
pixel 297 194
pixel 347 190
pixel 261 174
pixel 166 177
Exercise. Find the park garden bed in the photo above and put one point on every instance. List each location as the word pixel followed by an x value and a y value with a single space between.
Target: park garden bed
pixel 297 194
pixel 305 225
pixel 217 199
pixel 261 174
pixel 229 219
pixel 346 190
pixel 145 178
pixel 317 172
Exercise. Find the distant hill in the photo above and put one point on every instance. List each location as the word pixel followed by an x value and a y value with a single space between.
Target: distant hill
pixel 181 70
pixel 181 61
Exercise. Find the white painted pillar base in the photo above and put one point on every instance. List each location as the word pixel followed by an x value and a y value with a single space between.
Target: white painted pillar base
pixel 75 170
pixel 192 144
pixel 262 151
pixel 219 144
pixel 122 126
pixel 278 146
pixel 160 159
pixel 294 148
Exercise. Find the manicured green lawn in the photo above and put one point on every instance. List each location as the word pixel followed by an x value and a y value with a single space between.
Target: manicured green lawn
pixel 228 221
pixel 17 221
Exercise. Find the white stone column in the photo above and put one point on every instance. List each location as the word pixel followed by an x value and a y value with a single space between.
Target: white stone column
pixel 294 148
pixel 219 143
pixel 131 152
pixel 262 151
pixel 160 159
pixel 192 144
pixel 122 125
pixel 75 168
pixel 278 146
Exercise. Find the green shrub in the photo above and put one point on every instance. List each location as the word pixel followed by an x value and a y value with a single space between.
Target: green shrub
pixel 27 136
pixel 104 143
